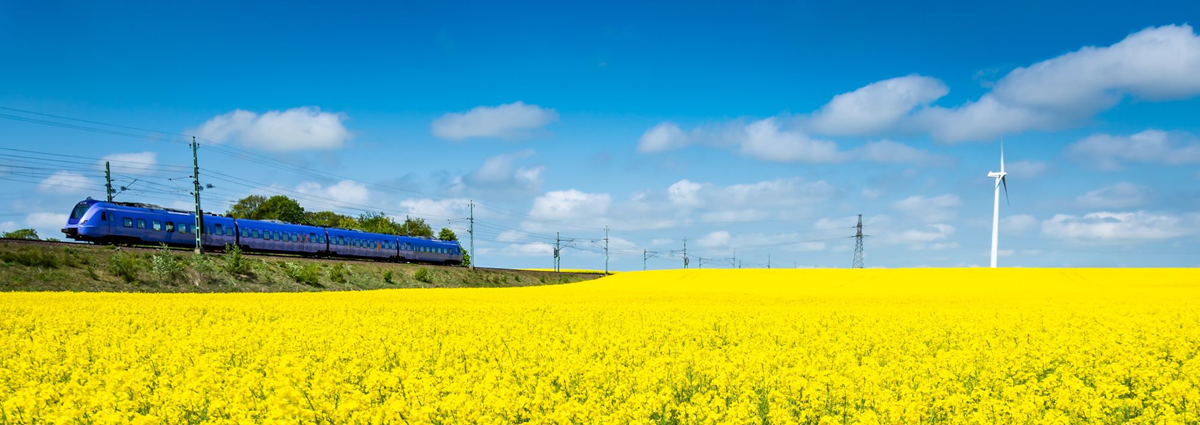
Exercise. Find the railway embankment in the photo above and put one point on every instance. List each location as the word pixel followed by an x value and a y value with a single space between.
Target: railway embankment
pixel 56 266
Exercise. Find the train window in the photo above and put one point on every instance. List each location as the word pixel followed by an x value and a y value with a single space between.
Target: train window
pixel 245 233
pixel 170 227
pixel 275 236
pixel 312 237
pixel 157 225
pixel 141 223
pixel 219 230
pixel 103 217
pixel 128 222
pixel 183 228
pixel 229 231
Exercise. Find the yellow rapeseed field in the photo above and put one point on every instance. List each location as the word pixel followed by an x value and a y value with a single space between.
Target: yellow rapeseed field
pixel 709 346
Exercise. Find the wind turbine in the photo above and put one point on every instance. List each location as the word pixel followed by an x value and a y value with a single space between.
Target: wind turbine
pixel 1000 181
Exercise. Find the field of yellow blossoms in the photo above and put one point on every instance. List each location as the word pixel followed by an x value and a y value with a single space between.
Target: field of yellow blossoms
pixel 698 346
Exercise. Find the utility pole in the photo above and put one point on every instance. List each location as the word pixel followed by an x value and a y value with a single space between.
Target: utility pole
pixel 700 261
pixel 557 249
pixel 644 258
pixel 768 261
pixel 858 246
pixel 196 183
pixel 406 225
pixel 605 250
pixel 470 230
pixel 108 190
pixel 735 263
pixel 685 259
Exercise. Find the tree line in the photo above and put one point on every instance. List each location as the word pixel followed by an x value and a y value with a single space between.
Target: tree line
pixel 285 209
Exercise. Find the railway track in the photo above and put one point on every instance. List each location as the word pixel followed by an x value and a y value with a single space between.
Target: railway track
pixel 148 248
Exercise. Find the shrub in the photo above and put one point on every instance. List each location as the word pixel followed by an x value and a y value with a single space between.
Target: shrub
pixel 204 267
pixel 164 265
pixel 308 274
pixel 423 275
pixel 124 266
pixel 32 257
pixel 235 264
pixel 338 272
pixel 387 276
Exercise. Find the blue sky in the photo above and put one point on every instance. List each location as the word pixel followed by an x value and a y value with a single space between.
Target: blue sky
pixel 762 128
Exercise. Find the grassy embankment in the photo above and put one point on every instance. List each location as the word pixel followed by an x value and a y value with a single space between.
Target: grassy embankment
pixel 46 267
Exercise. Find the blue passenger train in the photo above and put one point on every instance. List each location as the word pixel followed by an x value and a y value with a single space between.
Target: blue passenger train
pixel 135 223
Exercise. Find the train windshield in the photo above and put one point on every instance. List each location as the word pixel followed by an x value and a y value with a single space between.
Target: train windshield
pixel 77 213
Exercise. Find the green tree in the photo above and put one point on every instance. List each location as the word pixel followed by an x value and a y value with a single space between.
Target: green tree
pixel 246 207
pixel 378 223
pixel 447 235
pixel 416 227
pixel 329 219
pixel 29 234
pixel 278 207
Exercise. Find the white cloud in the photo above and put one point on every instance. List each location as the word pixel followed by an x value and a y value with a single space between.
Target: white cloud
pixel 1019 223
pixel 8 226
pixel 437 208
pixel 45 220
pixel 661 242
pixel 345 191
pixel 1026 170
pixel 507 121
pixel 1154 64
pixel 662 137
pixel 500 175
pixel 570 205
pixel 930 209
pixel 300 128
pixel 778 140
pixel 1108 152
pixel 1120 195
pixel 66 182
pixel 889 152
pixel 919 237
pixel 140 163
pixel 768 141
pixel 1138 226
pixel 876 107
pixel 715 239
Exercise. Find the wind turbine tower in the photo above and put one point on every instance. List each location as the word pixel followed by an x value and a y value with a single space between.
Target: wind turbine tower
pixel 1000 181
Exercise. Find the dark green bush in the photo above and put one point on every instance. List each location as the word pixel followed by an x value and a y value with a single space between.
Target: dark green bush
pixel 32 257
pixel 124 266
pixel 387 276
pixel 308 274
pixel 338 273
pixel 423 275
pixel 235 264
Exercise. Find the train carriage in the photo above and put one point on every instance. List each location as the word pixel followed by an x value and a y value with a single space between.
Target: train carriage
pixel 355 243
pixel 136 223
pixel 277 236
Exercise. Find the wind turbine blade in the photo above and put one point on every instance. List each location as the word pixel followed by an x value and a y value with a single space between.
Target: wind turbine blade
pixel 1004 181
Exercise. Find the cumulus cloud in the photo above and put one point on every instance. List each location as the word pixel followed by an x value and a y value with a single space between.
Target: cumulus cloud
pixel 922 237
pixel 570 205
pixel 345 191
pixel 715 239
pixel 876 107
pixel 1120 227
pixel 140 163
pixel 66 182
pixel 662 137
pixel 1109 152
pixel 1154 64
pixel 438 208
pixel 1117 196
pixel 778 140
pixel 1026 169
pixel 303 128
pixel 46 220
pixel 507 121
pixel 1019 223
pixel 930 209
pixel 500 175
